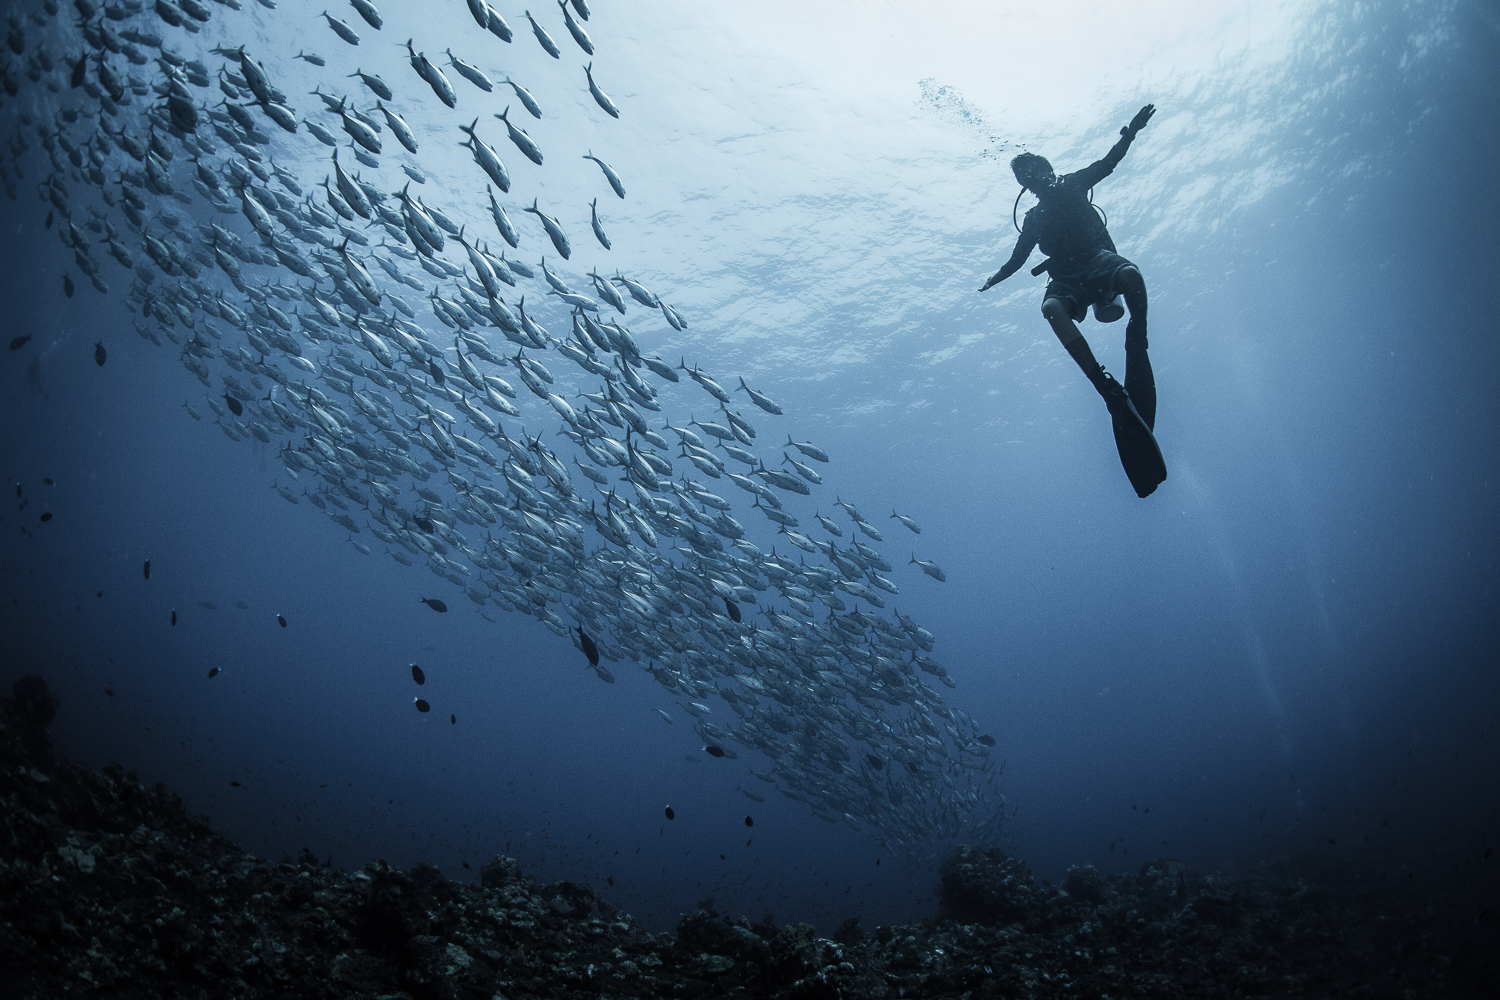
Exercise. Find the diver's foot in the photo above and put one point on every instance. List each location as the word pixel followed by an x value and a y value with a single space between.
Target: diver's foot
pixel 1121 405
pixel 1115 396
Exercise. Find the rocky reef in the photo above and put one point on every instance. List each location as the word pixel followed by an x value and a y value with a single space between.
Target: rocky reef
pixel 109 888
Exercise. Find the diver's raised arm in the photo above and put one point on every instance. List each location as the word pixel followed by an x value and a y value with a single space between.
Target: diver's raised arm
pixel 1023 249
pixel 1100 169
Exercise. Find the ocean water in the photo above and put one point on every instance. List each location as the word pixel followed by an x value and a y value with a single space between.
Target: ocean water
pixel 1289 649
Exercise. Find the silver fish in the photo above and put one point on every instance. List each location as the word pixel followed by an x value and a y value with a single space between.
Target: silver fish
pixel 600 96
pixel 523 141
pixel 609 173
pixel 554 232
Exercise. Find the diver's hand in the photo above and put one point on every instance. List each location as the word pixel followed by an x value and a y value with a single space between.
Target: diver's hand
pixel 1139 121
pixel 995 279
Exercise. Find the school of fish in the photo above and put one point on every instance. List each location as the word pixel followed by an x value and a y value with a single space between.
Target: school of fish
pixel 342 317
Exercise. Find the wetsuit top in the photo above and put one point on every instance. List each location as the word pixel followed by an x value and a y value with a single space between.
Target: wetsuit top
pixel 1064 223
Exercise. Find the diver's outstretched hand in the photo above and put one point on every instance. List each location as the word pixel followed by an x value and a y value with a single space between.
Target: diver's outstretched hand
pixel 994 280
pixel 1139 121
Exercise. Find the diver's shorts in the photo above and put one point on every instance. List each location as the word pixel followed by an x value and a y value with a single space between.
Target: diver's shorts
pixel 1093 282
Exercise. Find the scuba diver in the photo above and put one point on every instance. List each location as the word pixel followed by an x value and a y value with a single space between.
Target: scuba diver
pixel 1085 270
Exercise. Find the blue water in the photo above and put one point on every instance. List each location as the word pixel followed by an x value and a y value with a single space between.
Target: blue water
pixel 1288 649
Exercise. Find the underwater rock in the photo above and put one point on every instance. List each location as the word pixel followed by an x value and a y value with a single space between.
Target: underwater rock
pixel 1085 884
pixel 987 887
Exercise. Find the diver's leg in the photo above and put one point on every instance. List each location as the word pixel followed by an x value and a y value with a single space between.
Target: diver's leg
pixel 1056 311
pixel 1140 382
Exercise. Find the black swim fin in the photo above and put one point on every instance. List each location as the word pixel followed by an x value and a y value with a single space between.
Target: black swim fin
pixel 1139 452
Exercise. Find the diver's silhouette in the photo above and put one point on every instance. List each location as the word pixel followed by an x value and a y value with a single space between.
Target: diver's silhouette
pixel 1084 270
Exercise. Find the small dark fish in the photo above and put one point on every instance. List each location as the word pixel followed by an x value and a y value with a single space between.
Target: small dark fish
pixel 234 784
pixel 210 605
pixel 213 672
pixel 235 406
pixel 734 609
pixel 110 692
pixel 749 821
pixel 417 675
pixel 987 740
pixel 589 649
pixel 281 620
pixel 422 706
pixel 47 516
pixel 437 373
pixel 99 355
pixel 875 761
pixel 174 616
pixel 48 224
pixel 611 881
pixel 19 342
pixel 714 751
pixel 80 70
pixel 453 719
pixel 242 605
pixel 146 569
pixel 670 813
pixel 435 605
pixel 100 594
pixel 48 481
pixel 68 291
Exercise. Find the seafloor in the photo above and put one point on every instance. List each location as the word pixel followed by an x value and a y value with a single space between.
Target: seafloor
pixel 110 889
